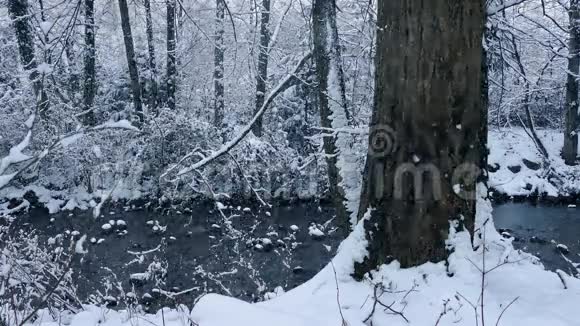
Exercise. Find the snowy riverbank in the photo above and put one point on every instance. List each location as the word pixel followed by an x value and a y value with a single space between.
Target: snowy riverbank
pixel 516 168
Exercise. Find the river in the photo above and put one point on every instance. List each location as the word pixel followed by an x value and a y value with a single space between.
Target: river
pixel 173 256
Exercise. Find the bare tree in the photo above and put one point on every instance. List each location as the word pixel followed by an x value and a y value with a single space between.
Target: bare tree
pixel 218 73
pixel 131 61
pixel 171 61
pixel 90 85
pixel 152 92
pixel 424 156
pixel 331 100
pixel 18 10
pixel 263 56
pixel 572 119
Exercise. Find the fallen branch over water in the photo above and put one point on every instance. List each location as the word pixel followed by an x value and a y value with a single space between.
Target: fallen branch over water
pixel 236 140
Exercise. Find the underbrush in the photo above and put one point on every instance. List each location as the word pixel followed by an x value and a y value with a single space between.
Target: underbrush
pixel 33 277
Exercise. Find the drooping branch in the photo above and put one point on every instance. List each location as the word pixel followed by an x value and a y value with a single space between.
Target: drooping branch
pixel 236 140
pixel 501 7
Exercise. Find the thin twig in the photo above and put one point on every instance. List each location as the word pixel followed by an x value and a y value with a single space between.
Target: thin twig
pixel 504 309
pixel 262 202
pixel 344 323
pixel 52 290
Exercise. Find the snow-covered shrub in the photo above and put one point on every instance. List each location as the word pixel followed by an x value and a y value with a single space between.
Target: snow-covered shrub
pixel 33 277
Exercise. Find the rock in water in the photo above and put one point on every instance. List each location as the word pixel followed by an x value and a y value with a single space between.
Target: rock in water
pixel 563 249
pixel 531 164
pixel 515 168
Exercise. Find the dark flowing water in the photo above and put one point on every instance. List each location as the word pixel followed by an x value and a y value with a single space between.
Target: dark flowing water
pixel 539 229
pixel 173 257
pixel 169 258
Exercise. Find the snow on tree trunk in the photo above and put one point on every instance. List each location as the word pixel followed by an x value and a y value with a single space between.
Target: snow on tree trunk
pixel 90 85
pixel 171 63
pixel 342 173
pixel 131 61
pixel 152 92
pixel 262 75
pixel 18 10
pixel 572 113
pixel 426 134
pixel 218 73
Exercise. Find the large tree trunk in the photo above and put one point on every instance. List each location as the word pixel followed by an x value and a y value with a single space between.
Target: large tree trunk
pixel 18 10
pixel 426 129
pixel 218 73
pixel 131 61
pixel 570 150
pixel 153 92
pixel 262 75
pixel 333 111
pixel 90 85
pixel 171 61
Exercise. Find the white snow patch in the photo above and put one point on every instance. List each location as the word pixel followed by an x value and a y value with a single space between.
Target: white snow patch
pixel 44 68
pixel 97 151
pixel 4 179
pixel 121 124
pixel 314 231
pixel 30 121
pixel 79 245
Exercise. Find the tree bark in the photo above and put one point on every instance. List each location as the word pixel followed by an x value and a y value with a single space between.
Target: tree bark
pixel 171 60
pixel 153 99
pixel 572 118
pixel 426 130
pixel 218 74
pixel 263 57
pixel 18 10
pixel 47 57
pixel 331 101
pixel 131 61
pixel 90 85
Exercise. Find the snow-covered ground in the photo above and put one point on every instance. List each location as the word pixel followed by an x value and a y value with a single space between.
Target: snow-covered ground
pixel 498 286
pixel 509 149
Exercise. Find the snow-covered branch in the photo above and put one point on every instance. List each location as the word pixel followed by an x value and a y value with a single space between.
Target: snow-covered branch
pixel 16 156
pixel 246 130
pixel 274 37
pixel 498 8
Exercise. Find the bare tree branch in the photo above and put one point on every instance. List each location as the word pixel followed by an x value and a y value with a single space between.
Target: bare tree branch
pixel 508 4
pixel 236 140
